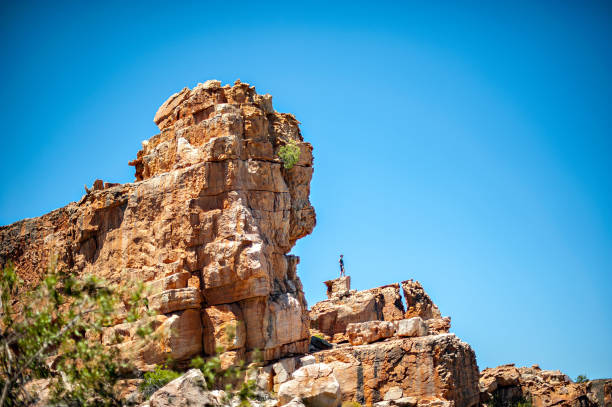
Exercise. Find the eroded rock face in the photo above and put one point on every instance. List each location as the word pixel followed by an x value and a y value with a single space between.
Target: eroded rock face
pixel 189 390
pixel 418 303
pixel 314 384
pixel 508 384
pixel 207 224
pixel 438 368
pixel 345 306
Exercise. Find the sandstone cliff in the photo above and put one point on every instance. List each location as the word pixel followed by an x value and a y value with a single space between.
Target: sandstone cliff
pixel 207 224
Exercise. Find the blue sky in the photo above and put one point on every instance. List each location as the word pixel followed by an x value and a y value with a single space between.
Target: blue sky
pixel 463 144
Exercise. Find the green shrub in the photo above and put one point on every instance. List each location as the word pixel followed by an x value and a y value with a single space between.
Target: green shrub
pixel 157 379
pixel 582 379
pixel 497 401
pixel 62 320
pixel 350 404
pixel 320 336
pixel 289 154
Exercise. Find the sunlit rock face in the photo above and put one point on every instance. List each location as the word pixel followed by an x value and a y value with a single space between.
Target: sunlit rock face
pixel 207 224
pixel 508 385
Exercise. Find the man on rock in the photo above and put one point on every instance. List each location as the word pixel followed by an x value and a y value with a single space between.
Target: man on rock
pixel 342 274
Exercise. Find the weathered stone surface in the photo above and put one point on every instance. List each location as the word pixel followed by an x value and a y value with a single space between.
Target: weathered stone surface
pixel 338 287
pixel 418 303
pixel 209 221
pixel 410 327
pixel 368 332
pixel 283 370
pixel 188 390
pixel 508 384
pixel 176 299
pixel 331 317
pixel 406 402
pixel 223 328
pixel 437 326
pixel 393 393
pixel 296 402
pixel 391 306
pixel 599 392
pixel 434 367
pixel 314 384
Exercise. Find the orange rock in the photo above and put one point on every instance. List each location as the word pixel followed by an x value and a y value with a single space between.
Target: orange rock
pixel 208 222
pixel 509 384
pixel 418 303
pixel 435 367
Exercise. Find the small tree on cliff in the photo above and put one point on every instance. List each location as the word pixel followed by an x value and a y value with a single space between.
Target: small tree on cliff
pixel 54 332
pixel 289 154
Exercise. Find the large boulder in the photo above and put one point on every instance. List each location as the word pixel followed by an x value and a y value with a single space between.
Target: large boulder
pixel 314 384
pixel 188 390
pixel 426 368
pixel 368 332
pixel 410 327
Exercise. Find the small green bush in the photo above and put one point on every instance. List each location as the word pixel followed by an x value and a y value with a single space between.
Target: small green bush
pixel 290 154
pixel 157 379
pixel 582 379
pixel 498 402
pixel 320 336
pixel 350 404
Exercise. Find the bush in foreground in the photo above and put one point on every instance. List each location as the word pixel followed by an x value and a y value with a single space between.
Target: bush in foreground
pixel 53 332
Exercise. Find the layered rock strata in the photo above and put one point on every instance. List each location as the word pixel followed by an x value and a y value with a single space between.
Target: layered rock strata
pixel 430 370
pixel 395 357
pixel 207 225
pixel 332 317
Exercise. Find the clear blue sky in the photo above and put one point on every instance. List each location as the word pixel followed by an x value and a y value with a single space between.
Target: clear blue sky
pixel 466 145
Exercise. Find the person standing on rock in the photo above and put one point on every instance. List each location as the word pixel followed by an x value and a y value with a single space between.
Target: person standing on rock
pixel 342 274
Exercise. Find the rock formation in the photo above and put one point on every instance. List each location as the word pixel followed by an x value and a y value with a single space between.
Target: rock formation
pixel 207 224
pixel 390 359
pixel 331 318
pixel 507 384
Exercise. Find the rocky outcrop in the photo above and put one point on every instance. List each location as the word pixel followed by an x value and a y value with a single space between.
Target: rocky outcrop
pixel 434 367
pixel 314 384
pixel 189 390
pixel 207 225
pixel 507 384
pixel 418 303
pixel 349 314
pixel 395 357
pixel 344 306
pixel 368 332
